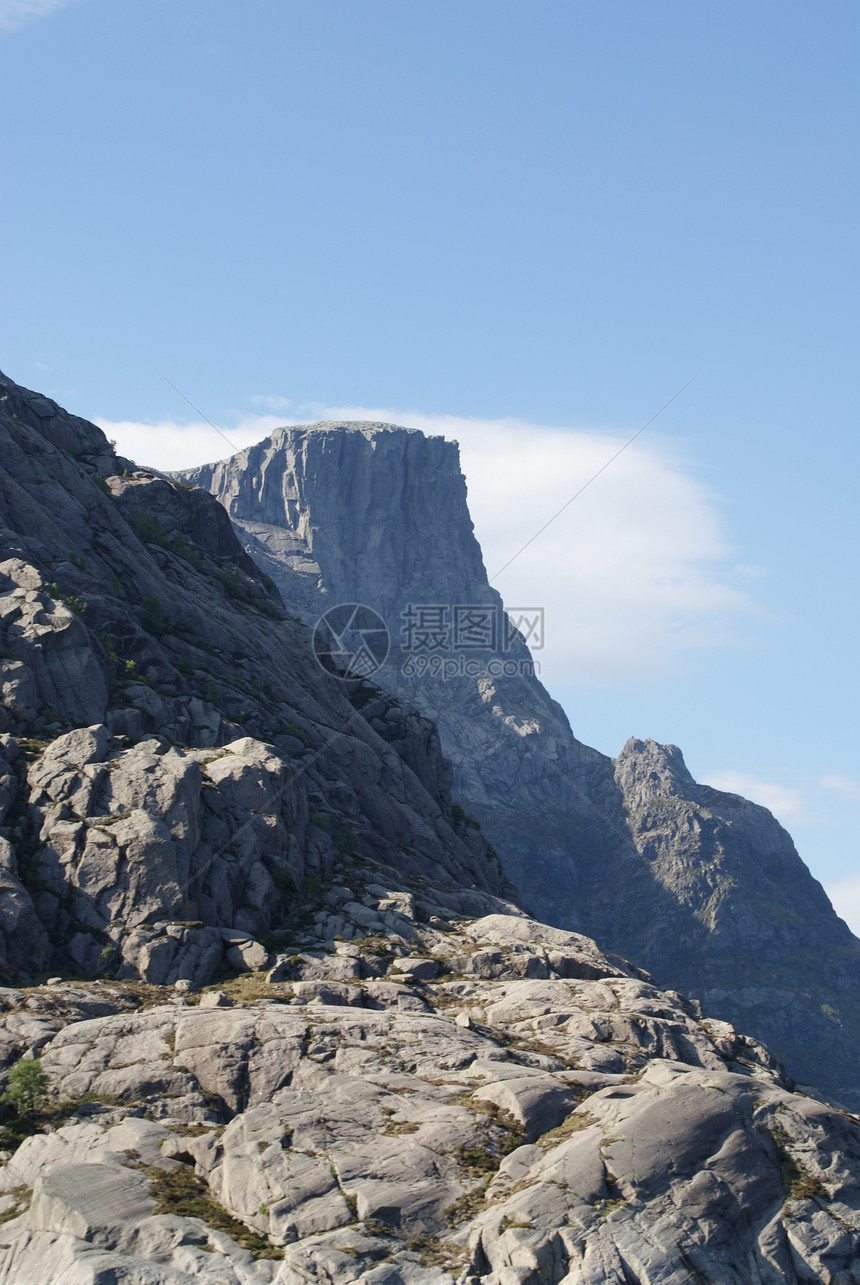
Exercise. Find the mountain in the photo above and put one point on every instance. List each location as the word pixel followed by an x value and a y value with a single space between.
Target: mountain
pixel 172 751
pixel 702 888
pixel 297 1029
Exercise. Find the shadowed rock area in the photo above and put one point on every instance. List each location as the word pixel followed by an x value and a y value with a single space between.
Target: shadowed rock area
pixel 703 888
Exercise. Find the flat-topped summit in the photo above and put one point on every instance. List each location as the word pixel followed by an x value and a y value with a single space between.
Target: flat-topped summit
pixel 704 889
pixel 368 427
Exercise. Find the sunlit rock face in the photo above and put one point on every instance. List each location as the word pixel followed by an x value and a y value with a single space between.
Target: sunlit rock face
pixel 703 888
pixel 493 1102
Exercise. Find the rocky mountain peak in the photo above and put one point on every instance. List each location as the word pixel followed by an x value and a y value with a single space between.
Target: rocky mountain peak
pixel 703 889
pixel 647 771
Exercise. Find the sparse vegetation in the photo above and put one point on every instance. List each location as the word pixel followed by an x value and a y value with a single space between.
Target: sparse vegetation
pixel 27 1087
pixel 153 619
pixel 573 1124
pixel 149 528
pixel 179 1191
pixel 345 841
pixel 77 605
pixel 467 1206
pixel 21 1198
pixel 797 1183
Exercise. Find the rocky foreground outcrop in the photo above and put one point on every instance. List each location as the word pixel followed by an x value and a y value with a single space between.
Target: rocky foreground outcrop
pixel 488 1100
pixel 703 888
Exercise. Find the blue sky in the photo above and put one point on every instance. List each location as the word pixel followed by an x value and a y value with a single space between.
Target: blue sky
pixel 526 225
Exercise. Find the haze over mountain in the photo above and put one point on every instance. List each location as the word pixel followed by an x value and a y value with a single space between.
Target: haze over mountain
pixel 702 887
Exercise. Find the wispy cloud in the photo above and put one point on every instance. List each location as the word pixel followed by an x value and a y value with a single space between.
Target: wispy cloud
pixel 19 13
pixel 841 785
pixel 787 805
pixel 636 573
pixel 271 403
pixel 633 575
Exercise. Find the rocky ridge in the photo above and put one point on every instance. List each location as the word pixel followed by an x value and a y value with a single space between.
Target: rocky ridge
pixel 703 888
pixel 298 1030
pixel 178 774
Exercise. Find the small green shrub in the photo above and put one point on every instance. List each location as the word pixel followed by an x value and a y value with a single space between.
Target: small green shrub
pixel 107 643
pixel 211 691
pixel 149 528
pixel 27 1087
pixel 153 619
pixel 77 605
pixel 231 580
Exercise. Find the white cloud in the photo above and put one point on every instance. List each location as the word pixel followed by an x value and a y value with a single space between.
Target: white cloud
pixel 842 785
pixel 271 403
pixel 18 13
pixel 845 895
pixel 633 574
pixel 745 572
pixel 786 804
pixel 167 444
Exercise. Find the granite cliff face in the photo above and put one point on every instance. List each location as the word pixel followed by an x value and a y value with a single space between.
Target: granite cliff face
pixel 703 888
pixel 297 1029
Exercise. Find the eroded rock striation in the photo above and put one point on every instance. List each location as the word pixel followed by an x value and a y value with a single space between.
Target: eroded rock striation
pixel 703 888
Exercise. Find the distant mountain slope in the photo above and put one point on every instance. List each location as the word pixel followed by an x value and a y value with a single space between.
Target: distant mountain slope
pixel 702 888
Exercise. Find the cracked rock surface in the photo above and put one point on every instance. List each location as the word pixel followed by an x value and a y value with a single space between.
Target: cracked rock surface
pixel 559 1120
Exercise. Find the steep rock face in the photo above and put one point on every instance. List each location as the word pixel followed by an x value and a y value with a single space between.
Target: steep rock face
pixel 703 888
pixel 177 773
